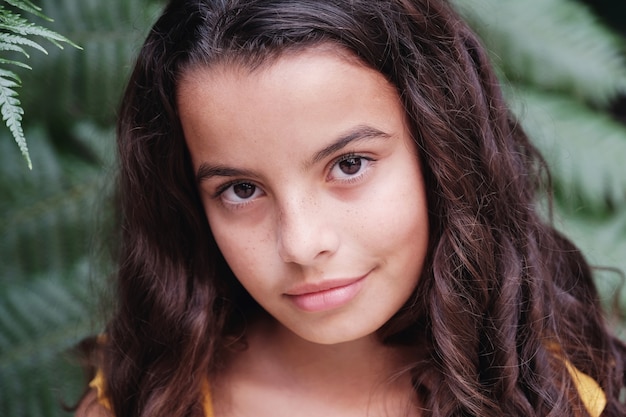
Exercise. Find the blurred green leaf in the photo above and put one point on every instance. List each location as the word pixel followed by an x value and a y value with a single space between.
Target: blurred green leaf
pixel 554 45
pixel 584 147
pixel 54 219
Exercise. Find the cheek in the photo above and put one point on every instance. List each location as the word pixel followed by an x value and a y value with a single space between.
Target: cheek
pixel 249 252
pixel 400 231
pixel 243 250
pixel 399 214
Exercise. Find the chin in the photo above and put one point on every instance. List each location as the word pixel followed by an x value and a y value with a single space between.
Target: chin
pixel 324 335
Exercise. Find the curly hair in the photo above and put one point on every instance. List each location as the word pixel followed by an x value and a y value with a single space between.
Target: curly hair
pixel 504 300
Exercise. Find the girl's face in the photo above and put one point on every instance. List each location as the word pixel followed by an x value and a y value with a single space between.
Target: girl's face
pixel 312 188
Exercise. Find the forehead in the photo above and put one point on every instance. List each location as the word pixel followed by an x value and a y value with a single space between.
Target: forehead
pixel 298 81
pixel 252 63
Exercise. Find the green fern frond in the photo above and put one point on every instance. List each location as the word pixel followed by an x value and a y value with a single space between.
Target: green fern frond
pixel 584 148
pixel 41 318
pixel 47 261
pixel 16 63
pixel 14 33
pixel 8 39
pixel 557 45
pixel 12 75
pixel 12 22
pixel 47 217
pixel 87 83
pixel 602 241
pixel 12 111
pixel 39 322
pixel 29 7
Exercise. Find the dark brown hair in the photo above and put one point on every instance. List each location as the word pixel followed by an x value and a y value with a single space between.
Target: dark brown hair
pixel 504 299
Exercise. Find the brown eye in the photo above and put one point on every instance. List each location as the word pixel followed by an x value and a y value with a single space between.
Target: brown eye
pixel 244 190
pixel 350 166
pixel 240 193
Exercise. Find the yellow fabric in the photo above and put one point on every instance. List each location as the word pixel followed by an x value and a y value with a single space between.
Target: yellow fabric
pixel 98 384
pixel 590 392
pixel 208 401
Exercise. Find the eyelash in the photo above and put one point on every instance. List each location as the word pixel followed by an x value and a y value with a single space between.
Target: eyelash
pixel 218 194
pixel 357 177
pixel 335 163
pixel 223 187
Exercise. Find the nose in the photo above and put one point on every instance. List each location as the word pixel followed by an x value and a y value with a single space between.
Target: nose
pixel 305 232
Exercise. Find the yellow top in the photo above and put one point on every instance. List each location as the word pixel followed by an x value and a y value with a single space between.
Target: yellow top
pixel 98 384
pixel 590 392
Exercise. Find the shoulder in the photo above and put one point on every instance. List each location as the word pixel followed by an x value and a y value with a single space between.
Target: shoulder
pixel 90 406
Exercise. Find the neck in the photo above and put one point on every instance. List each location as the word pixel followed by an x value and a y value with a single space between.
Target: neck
pixel 365 359
pixel 347 377
pixel 362 366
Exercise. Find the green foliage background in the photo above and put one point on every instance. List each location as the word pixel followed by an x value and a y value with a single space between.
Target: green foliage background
pixel 561 67
pixel 52 218
pixel 563 70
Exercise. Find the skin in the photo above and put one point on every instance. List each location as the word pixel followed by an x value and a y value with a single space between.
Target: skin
pixel 310 181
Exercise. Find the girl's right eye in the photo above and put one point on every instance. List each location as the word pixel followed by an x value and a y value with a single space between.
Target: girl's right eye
pixel 239 193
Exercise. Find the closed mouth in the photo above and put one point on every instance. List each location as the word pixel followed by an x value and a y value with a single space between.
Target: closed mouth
pixel 325 295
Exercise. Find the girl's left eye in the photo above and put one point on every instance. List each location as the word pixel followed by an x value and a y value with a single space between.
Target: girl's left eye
pixel 239 193
pixel 349 167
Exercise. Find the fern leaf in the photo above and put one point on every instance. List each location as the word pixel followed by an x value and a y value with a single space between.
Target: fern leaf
pixel 11 47
pixel 602 241
pixel 584 148
pixel 47 218
pixel 557 45
pixel 12 111
pixel 33 370
pixel 14 33
pixel 8 38
pixel 16 24
pixel 12 75
pixel 16 63
pixel 88 82
pixel 29 7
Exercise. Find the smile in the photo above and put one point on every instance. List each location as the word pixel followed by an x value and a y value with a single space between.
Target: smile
pixel 326 295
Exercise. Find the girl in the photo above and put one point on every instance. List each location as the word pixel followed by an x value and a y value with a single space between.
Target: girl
pixel 327 209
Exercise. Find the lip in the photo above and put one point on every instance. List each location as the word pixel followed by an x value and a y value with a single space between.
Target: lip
pixel 325 295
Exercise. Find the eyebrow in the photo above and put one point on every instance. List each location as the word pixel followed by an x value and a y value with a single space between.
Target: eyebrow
pixel 357 134
pixel 206 171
